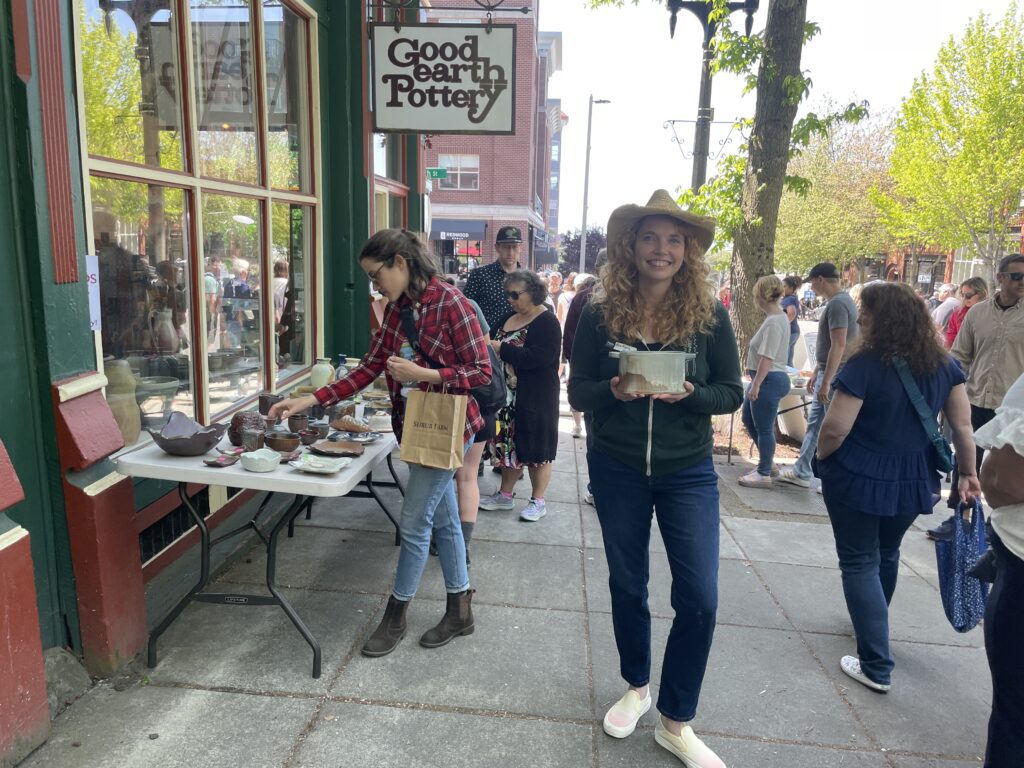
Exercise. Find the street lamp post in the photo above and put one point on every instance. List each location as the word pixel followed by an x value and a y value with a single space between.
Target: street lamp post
pixel 586 183
pixel 705 114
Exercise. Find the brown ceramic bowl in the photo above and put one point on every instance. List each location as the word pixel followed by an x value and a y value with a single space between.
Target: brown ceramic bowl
pixel 284 442
pixel 309 436
pixel 298 422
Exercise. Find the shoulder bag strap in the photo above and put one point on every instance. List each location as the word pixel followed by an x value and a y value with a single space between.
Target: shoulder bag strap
pixel 409 326
pixel 925 415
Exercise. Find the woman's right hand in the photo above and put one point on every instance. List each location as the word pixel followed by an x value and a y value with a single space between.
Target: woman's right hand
pixel 292 405
pixel 970 489
pixel 619 394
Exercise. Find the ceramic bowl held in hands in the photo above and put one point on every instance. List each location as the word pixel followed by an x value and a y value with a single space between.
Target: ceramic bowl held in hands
pixel 181 436
pixel 263 460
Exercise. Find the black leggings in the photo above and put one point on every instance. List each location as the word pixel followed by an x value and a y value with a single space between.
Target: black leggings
pixel 1004 628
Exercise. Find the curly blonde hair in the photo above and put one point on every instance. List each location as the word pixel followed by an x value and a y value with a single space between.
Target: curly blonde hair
pixel 688 307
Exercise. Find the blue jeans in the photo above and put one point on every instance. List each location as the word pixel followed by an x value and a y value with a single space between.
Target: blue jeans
pixel 869 559
pixel 686 503
pixel 793 336
pixel 1004 627
pixel 759 417
pixel 816 414
pixel 430 503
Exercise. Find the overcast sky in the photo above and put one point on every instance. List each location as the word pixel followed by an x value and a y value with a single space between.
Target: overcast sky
pixel 867 49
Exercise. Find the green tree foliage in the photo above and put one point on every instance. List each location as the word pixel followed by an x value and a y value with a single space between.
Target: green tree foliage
pixel 958 156
pixel 833 218
pixel 569 252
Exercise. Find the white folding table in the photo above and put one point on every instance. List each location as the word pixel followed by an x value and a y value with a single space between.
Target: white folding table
pixel 152 462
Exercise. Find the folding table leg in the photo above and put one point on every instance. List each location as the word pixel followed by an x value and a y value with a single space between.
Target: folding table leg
pixel 376 497
pixel 204 576
pixel 391 469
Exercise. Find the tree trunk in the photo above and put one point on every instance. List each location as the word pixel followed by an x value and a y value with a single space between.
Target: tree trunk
pixel 754 246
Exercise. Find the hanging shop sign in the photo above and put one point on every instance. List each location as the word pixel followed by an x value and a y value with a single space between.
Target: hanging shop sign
pixel 444 78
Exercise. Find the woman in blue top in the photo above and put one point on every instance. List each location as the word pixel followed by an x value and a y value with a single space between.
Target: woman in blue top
pixel 875 460
pixel 791 306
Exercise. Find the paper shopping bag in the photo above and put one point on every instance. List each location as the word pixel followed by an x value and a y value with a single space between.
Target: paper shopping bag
pixel 432 430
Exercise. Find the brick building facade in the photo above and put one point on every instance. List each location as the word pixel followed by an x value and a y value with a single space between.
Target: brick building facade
pixel 495 181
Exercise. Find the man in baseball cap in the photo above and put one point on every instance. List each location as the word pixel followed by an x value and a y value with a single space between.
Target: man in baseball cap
pixel 485 285
pixel 824 269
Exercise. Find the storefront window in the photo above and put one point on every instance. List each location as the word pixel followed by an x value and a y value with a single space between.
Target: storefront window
pixel 130 77
pixel 144 301
pixel 231 291
pixel 226 93
pixel 287 95
pixel 291 285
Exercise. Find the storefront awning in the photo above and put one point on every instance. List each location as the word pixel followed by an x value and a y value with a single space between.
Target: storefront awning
pixel 457 229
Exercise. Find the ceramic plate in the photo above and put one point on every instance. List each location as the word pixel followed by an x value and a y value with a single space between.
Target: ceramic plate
pixel 319 466
pixel 337 448
pixel 356 437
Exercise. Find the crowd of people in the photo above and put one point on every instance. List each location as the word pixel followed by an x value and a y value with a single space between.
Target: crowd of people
pixel 882 363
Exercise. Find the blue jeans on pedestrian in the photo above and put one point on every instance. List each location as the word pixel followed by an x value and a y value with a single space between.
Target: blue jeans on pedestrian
pixel 869 559
pixel 793 336
pixel 1004 627
pixel 815 415
pixel 686 503
pixel 759 417
pixel 430 503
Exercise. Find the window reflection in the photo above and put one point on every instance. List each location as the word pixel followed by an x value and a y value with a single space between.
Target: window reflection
pixel 130 80
pixel 285 47
pixel 226 95
pixel 231 292
pixel 292 234
pixel 144 306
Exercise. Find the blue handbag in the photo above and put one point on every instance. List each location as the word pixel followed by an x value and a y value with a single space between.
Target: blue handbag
pixel 963 596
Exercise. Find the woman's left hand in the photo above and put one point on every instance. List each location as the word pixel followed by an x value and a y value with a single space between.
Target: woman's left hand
pixel 970 489
pixel 405 370
pixel 675 398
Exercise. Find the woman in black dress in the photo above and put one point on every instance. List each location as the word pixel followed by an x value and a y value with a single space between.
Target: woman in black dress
pixel 529 342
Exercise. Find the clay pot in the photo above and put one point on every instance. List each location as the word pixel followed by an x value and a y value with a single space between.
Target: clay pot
pixel 284 442
pixel 242 421
pixel 298 422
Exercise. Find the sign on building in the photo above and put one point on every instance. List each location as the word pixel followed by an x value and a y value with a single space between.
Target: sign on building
pixel 444 78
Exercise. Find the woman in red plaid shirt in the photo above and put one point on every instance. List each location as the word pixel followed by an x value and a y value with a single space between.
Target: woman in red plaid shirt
pixel 398 263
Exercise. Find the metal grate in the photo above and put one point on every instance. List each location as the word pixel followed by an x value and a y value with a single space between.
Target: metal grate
pixel 171 527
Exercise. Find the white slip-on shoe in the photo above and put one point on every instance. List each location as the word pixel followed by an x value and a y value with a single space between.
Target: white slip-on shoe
pixel 497 502
pixel 755 480
pixel 687 747
pixel 621 719
pixel 851 666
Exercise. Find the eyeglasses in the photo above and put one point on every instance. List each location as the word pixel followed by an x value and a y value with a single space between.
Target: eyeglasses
pixel 1015 276
pixel 965 296
pixel 373 275
pixel 513 295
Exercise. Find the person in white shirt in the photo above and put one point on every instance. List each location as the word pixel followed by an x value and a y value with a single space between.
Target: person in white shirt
pixel 948 302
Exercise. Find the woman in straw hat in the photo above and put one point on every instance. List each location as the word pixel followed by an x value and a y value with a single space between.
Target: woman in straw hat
pixel 652 453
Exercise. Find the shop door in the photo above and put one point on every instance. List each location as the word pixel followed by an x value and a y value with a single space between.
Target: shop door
pixel 22 409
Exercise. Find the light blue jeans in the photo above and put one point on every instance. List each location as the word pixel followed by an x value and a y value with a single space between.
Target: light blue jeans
pixel 430 504
pixel 816 415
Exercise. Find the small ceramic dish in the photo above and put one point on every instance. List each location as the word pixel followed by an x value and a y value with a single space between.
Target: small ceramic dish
pixel 285 442
pixel 337 448
pixel 357 437
pixel 220 461
pixel 263 460
pixel 319 464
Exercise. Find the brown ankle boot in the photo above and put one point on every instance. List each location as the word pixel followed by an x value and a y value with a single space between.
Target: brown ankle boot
pixel 391 630
pixel 458 620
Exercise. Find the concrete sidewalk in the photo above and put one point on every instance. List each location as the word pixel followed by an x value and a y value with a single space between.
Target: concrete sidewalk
pixel 530 687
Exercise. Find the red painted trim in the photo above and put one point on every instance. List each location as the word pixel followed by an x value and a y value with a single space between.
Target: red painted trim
pixel 86 430
pixel 164 559
pixel 10 487
pixel 22 52
pixel 56 151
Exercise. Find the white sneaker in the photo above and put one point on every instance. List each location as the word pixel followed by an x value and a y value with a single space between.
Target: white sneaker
pixel 791 477
pixel 533 511
pixel 620 721
pixel 687 747
pixel 755 480
pixel 497 502
pixel 577 430
pixel 818 488
pixel 851 666
pixel 589 499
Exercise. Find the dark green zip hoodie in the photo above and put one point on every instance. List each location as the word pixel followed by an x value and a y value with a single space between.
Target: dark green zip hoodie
pixel 653 436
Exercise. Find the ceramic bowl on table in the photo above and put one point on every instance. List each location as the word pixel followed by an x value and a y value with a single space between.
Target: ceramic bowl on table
pixel 285 442
pixel 181 436
pixel 309 436
pixel 263 460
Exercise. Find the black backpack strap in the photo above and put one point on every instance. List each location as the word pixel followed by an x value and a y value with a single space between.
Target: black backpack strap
pixel 409 326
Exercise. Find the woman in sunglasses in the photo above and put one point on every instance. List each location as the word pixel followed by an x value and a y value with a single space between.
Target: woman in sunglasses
pixel 972 291
pixel 529 341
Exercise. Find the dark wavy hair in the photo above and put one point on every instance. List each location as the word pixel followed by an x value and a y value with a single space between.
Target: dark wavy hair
pixel 531 284
pixel 388 243
pixel 898 325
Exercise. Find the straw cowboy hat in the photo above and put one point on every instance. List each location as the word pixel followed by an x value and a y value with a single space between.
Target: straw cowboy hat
pixel 660 204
